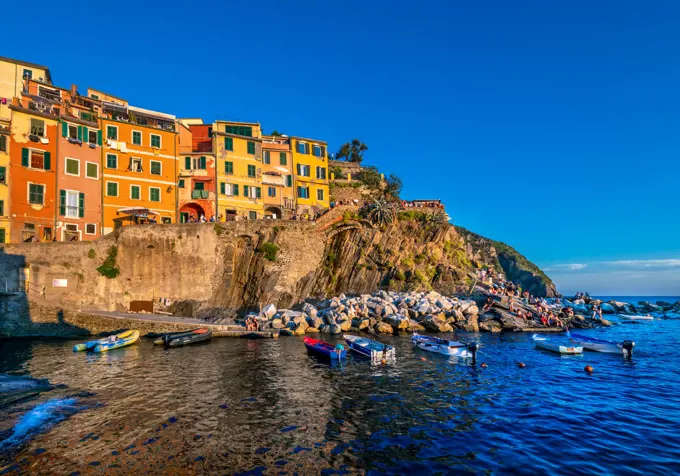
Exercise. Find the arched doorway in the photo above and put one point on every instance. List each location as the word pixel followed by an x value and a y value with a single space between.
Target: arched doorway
pixel 191 212
pixel 273 212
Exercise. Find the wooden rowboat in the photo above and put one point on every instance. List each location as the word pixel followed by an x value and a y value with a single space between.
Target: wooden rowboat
pixel 322 348
pixel 369 348
pixel 446 347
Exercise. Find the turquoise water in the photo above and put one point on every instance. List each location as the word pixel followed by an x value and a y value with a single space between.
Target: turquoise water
pixel 265 407
pixel 636 299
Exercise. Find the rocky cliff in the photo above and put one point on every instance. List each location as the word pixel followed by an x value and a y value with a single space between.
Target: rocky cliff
pixel 221 269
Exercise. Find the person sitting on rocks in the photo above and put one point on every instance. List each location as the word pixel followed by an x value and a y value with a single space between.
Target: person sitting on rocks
pixel 597 311
pixel 251 324
pixel 512 304
pixel 544 320
pixel 487 304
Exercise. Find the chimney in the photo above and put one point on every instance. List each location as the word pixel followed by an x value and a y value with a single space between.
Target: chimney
pixel 74 91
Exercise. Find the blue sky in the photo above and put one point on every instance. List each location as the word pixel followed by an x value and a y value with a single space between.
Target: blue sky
pixel 552 126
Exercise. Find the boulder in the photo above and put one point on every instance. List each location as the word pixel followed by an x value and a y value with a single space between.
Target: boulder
pixel 397 321
pixel 276 323
pixel 285 319
pixel 314 321
pixel 285 332
pixel 490 325
pixel 268 311
pixel 310 310
pixel 299 331
pixel 437 324
pixel 345 325
pixel 312 330
pixel 329 318
pixel 416 326
pixel 334 329
pixel 360 323
pixel 324 328
pixel 471 325
pixel 383 328
pixel 608 308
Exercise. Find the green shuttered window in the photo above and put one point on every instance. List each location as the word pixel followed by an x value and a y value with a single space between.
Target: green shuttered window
pixel 228 167
pixel 251 171
pixel 228 143
pixel 283 160
pixel 251 147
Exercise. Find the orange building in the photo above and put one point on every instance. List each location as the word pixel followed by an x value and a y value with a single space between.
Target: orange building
pixel 139 164
pixel 78 169
pixel 33 147
pixel 277 177
pixel 197 179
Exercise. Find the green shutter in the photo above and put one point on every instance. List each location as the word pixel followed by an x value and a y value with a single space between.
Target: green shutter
pixel 81 205
pixel 80 133
pixel 2 235
pixel 245 191
pixel 251 147
pixel 235 189
pixel 228 143
pixel 258 192
pixel 289 180
pixel 282 158
pixel 181 183
pixel 99 137
pixel 47 161
pixel 86 136
pixel 187 163
pixel 64 129
pixel 223 188
pixel 24 157
pixel 62 202
pixel 202 165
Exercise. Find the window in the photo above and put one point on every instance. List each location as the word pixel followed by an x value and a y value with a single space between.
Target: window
pixel 94 96
pixel 271 191
pixel 155 167
pixel 136 138
pixel 283 160
pixel 28 74
pixel 251 147
pixel 228 168
pixel 47 234
pixel 199 185
pixel 251 171
pixel 3 175
pixel 35 159
pixel 229 189
pixel 252 215
pixel 69 203
pixel 111 161
pixel 265 157
pixel 2 207
pixel 200 163
pixel 112 132
pixel 135 192
pixel 3 143
pixel 319 194
pixel 319 151
pixel 2 235
pixel 166 220
pixel 37 127
pixel 92 137
pixel 154 194
pixel 135 165
pixel 303 192
pixel 111 189
pixel 92 170
pixel 228 143
pixel 302 148
pixel 180 184
pixel 155 141
pixel 321 173
pixel 72 132
pixel 36 194
pixel 72 166
pixel 90 229
pixel 239 130
pixel 289 180
pixel 303 170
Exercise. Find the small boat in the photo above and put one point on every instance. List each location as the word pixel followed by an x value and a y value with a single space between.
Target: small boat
pixel 598 345
pixel 89 346
pixel 445 347
pixel 369 348
pixel 176 339
pixel 545 344
pixel 115 342
pixel 324 349
pixel 635 318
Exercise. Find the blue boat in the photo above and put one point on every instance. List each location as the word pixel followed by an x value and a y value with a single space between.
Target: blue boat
pixel 370 348
pixel 322 348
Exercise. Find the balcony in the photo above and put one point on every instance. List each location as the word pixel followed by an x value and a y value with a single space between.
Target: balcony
pixel 132 115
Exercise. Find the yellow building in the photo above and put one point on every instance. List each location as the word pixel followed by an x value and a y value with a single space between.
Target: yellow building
pixel 238 151
pixel 12 74
pixel 310 167
pixel 277 177
pixel 4 179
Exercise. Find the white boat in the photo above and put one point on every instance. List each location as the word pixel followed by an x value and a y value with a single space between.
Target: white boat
pixel 369 348
pixel 446 347
pixel 599 345
pixel 545 344
pixel 635 317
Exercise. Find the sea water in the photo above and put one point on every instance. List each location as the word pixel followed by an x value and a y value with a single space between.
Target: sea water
pixel 265 407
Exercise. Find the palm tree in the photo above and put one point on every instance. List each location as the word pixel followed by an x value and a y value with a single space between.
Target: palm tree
pixel 352 151
pixel 381 213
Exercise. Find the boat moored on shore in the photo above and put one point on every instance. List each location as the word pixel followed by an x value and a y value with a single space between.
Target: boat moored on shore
pixel 177 339
pixel 324 349
pixel 552 346
pixel 600 345
pixel 369 348
pixel 445 347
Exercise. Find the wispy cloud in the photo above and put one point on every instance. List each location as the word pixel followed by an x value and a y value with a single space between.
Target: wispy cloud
pixel 644 263
pixel 567 266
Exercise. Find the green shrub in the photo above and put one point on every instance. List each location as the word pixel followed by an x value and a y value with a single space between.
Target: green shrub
pixel 269 250
pixel 108 267
pixel 399 275
pixel 92 254
pixel 219 229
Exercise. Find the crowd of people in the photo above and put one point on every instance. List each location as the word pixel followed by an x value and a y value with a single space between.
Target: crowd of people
pixel 421 204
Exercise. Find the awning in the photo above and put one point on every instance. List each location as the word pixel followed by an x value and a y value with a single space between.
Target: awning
pixel 137 211
pixel 272 179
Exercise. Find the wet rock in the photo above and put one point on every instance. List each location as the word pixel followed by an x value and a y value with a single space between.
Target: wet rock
pixel 310 310
pixel 285 332
pixel 299 331
pixel 276 324
pixel 397 321
pixel 383 328
pixel 436 324
pixel 360 323
pixel 490 325
pixel 334 329
pixel 314 321
pixel 268 311
pixel 312 330
pixel 345 325
pixel 415 326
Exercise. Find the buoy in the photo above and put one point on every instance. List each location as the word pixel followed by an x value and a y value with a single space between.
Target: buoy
pixel 589 369
pixel 483 365
pixel 521 365
pixel 423 359
pixel 383 361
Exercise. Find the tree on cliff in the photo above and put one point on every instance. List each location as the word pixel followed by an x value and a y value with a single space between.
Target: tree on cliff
pixel 275 133
pixel 352 151
pixel 393 186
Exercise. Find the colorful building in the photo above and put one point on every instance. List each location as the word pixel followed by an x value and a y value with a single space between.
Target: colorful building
pixel 5 123
pixel 32 152
pixel 277 177
pixel 78 169
pixel 12 75
pixel 196 183
pixel 238 148
pixel 310 162
pixel 139 164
